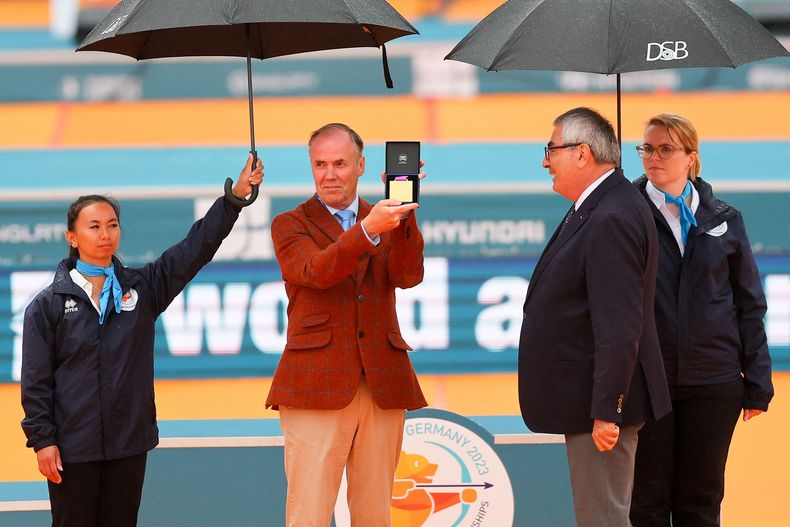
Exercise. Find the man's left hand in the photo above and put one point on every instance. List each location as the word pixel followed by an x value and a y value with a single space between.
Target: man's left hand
pixel 605 435
pixel 748 413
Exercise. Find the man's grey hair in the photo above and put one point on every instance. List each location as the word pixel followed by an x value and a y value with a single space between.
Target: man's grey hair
pixel 585 125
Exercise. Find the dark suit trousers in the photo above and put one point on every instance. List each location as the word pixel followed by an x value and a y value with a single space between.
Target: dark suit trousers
pixel 680 459
pixel 98 494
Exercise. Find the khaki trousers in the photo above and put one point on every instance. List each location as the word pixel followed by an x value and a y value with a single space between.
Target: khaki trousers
pixel 319 444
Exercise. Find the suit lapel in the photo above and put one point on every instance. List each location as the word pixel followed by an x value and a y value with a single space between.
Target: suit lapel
pixel 579 219
pixel 326 223
pixel 364 210
pixel 557 242
pixel 321 218
pixel 545 255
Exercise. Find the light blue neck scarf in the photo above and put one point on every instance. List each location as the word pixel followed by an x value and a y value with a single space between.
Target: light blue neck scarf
pixel 687 218
pixel 110 284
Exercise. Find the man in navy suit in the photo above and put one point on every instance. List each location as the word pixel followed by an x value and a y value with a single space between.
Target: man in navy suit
pixel 589 360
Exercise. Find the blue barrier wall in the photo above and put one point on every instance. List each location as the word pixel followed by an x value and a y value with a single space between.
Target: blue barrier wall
pixel 230 472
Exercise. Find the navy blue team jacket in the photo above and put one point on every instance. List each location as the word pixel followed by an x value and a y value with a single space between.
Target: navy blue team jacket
pixel 89 388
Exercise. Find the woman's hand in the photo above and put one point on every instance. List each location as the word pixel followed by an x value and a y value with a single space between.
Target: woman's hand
pixel 49 463
pixel 248 178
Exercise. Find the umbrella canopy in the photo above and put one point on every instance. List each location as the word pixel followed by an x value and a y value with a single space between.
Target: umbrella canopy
pixel 615 36
pixel 147 29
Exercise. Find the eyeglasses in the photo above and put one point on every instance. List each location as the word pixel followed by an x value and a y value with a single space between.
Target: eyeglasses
pixel 664 151
pixel 547 149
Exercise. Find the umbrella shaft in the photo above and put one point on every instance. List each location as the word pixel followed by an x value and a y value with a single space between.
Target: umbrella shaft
pixel 619 123
pixel 249 90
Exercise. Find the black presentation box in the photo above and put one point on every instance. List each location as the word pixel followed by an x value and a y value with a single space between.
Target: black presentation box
pixel 402 169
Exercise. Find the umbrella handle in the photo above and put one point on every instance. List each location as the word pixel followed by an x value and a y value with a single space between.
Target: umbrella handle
pixel 239 202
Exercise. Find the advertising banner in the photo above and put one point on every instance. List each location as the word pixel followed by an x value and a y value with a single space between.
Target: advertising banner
pixel 208 79
pixel 453 225
pixel 465 317
pixel 231 320
pixel 773 74
pixel 77 78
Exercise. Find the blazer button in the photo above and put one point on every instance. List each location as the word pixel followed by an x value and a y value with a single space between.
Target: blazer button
pixel 361 298
pixel 361 334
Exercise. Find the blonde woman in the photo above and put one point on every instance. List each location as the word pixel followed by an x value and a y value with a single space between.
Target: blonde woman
pixel 709 312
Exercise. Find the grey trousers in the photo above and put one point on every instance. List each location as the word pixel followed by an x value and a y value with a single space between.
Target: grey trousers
pixel 602 481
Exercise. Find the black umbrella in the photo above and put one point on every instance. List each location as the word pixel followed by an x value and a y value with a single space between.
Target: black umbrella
pixel 147 29
pixel 615 36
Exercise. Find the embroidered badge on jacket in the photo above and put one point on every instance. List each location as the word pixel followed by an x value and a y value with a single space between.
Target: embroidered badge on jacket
pixel 129 300
pixel 70 306
pixel 718 230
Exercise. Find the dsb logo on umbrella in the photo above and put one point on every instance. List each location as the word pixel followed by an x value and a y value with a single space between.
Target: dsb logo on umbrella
pixel 668 50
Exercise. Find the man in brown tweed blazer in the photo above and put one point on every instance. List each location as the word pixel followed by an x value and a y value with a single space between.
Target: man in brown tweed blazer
pixel 345 379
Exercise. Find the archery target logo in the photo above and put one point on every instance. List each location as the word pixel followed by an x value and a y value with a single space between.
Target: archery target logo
pixel 448 475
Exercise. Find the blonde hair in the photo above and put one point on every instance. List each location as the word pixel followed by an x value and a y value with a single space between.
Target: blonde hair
pixel 681 130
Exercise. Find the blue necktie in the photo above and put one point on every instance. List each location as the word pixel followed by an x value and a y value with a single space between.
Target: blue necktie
pixel 110 284
pixel 687 218
pixel 346 218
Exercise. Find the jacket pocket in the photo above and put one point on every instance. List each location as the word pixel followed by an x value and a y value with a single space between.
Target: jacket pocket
pixel 303 341
pixel 314 319
pixel 397 341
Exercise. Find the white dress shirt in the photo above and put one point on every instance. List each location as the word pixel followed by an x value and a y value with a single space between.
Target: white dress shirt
pixel 589 190
pixel 659 200
pixel 82 282
pixel 353 207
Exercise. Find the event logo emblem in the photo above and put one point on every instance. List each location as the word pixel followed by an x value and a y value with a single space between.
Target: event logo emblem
pixel 403 159
pixel 129 300
pixel 448 475
pixel 668 50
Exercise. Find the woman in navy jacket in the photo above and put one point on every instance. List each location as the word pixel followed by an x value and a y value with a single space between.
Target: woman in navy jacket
pixel 87 359
pixel 709 310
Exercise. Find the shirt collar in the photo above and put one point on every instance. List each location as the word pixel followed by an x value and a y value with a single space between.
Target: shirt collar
pixel 589 190
pixel 82 282
pixel 353 207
